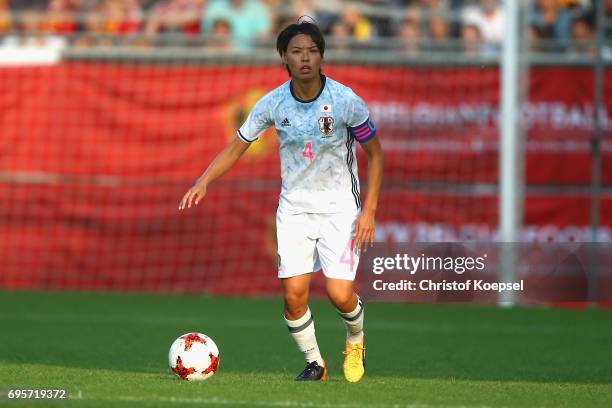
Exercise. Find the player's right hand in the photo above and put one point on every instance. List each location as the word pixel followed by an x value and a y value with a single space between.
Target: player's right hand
pixel 193 196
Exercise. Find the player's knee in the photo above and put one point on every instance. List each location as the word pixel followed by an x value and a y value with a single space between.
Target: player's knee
pixel 340 298
pixel 296 304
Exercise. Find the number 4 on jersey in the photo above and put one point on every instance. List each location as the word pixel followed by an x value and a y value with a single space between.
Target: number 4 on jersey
pixel 348 256
pixel 307 152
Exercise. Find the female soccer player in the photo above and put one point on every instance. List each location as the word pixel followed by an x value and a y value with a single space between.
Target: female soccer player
pixel 321 221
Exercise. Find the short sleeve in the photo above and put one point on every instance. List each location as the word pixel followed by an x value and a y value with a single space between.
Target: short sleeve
pixel 359 123
pixel 258 121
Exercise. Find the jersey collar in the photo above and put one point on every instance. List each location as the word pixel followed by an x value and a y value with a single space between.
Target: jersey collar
pixel 323 81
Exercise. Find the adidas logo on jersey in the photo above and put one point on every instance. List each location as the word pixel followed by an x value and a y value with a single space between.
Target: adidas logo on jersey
pixel 285 122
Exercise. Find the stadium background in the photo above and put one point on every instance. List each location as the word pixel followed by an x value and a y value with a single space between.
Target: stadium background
pixel 111 109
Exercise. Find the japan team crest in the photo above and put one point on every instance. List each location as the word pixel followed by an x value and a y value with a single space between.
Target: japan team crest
pixel 326 125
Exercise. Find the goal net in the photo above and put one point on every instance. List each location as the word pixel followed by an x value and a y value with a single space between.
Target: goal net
pixel 97 151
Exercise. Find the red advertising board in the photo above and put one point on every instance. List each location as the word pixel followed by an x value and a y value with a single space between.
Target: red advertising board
pixel 95 157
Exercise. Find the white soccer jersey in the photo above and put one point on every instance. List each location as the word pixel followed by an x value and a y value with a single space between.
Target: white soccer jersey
pixel 318 162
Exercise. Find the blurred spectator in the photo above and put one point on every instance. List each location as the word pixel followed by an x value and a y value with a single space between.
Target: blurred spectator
pixel 551 20
pixel 240 24
pixel 341 37
pixel 575 3
pixel 329 6
pixel 60 17
pixel 182 16
pixel 583 32
pixel 249 21
pixel 120 17
pixel 111 17
pixel 114 17
pixel 301 8
pixel 439 30
pixel 353 20
pixel 434 22
pixel 472 39
pixel 220 36
pixel 30 22
pixel 433 6
pixel 535 38
pixel 488 18
pixel 5 17
pixel 327 12
pixel 382 23
pixel 298 9
pixel 272 6
pixel 410 32
pixel 30 34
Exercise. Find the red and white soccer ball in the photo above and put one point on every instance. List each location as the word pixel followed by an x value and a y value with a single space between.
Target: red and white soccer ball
pixel 194 357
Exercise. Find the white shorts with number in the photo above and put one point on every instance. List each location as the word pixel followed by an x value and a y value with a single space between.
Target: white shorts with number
pixel 309 242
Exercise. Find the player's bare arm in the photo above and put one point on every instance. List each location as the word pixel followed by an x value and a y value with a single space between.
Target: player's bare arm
pixel 222 163
pixel 364 226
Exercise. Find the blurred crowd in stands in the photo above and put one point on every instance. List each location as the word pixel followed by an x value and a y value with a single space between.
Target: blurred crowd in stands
pixel 413 26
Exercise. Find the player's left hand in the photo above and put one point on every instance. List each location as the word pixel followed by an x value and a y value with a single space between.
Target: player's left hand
pixel 364 230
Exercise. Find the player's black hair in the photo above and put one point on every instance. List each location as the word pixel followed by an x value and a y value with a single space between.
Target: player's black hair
pixel 304 27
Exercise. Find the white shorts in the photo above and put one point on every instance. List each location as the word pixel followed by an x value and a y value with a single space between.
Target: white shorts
pixel 308 242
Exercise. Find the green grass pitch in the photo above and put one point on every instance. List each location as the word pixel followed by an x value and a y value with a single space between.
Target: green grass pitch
pixel 110 350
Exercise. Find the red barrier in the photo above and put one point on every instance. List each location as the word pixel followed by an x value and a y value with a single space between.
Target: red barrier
pixel 95 157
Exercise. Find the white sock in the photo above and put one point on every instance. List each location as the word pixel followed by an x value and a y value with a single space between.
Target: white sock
pixel 303 332
pixel 354 323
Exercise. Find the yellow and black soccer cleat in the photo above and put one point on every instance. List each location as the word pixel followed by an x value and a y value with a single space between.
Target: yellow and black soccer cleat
pixel 354 361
